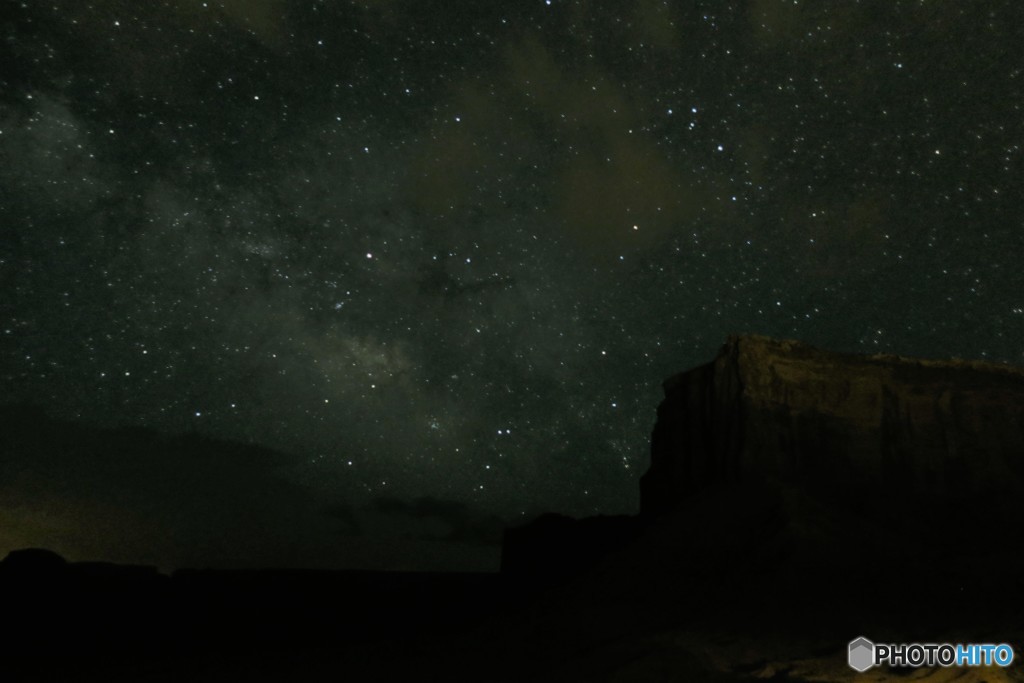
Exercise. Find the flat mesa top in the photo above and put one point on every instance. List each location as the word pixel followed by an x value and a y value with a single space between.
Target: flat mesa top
pixel 752 344
pixel 751 353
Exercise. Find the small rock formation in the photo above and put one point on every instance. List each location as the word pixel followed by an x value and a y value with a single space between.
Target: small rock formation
pixel 33 563
pixel 561 546
pixel 767 409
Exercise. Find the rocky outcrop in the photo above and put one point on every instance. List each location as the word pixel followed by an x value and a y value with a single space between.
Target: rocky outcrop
pixel 33 562
pixel 841 424
pixel 788 453
pixel 557 545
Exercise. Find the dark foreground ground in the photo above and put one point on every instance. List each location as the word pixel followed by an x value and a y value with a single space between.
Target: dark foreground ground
pixel 98 622
pixel 739 597
pixel 300 626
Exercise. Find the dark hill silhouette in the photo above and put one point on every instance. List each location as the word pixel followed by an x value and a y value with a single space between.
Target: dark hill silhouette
pixel 136 495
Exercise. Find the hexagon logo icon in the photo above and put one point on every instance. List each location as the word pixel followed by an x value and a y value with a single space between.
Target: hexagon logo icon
pixel 861 654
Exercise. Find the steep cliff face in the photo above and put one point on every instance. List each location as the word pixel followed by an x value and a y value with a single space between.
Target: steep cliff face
pixel 848 425
pixel 788 451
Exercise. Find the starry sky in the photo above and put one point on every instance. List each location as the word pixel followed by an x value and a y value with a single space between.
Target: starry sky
pixel 440 255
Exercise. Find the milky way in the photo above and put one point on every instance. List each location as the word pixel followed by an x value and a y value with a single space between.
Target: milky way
pixel 448 251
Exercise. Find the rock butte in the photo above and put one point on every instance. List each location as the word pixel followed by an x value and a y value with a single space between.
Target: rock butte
pixel 773 409
pixel 838 442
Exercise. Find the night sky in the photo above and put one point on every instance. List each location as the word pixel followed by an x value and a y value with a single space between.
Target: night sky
pixel 441 255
